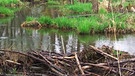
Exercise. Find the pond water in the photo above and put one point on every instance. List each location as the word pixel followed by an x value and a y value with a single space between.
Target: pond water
pixel 14 37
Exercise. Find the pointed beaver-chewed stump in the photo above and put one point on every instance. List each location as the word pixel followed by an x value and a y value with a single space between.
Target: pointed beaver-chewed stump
pixel 31 24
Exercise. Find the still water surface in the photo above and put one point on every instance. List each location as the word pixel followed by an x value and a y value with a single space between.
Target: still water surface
pixel 14 37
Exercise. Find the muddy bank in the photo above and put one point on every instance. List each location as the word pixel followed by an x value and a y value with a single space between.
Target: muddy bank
pixel 90 62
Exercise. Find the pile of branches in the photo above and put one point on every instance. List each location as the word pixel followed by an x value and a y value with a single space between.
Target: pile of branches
pixel 90 62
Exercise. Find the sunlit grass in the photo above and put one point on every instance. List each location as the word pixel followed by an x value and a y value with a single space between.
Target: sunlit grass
pixel 51 2
pixel 96 23
pixel 84 27
pixel 30 18
pixel 64 22
pixel 80 7
pixel 7 2
pixel 45 20
pixel 7 7
pixel 6 11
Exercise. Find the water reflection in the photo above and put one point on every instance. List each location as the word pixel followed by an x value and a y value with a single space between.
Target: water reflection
pixel 13 37
pixel 126 43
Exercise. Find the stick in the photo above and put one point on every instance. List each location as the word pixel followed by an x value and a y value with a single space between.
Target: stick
pixel 11 51
pixel 78 63
pixel 103 53
pixel 54 68
pixel 123 61
pixel 63 45
pixel 13 62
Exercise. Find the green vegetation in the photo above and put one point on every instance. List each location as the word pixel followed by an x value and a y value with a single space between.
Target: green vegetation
pixel 52 2
pixel 28 19
pixel 6 11
pixel 7 7
pixel 79 17
pixel 8 2
pixel 5 20
pixel 87 24
pixel 80 7
pixel 64 22
pixel 45 20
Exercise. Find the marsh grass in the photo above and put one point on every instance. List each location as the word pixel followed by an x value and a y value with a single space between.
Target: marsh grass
pixel 94 23
pixel 103 11
pixel 46 20
pixel 52 2
pixel 7 7
pixel 80 7
pixel 5 11
pixel 8 2
pixel 28 19
pixel 84 27
pixel 64 22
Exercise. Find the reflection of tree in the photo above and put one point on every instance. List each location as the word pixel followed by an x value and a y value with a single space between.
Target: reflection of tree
pixel 57 44
pixel 52 42
pixel 40 41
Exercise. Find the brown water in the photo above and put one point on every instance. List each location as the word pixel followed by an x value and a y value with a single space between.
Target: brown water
pixel 14 37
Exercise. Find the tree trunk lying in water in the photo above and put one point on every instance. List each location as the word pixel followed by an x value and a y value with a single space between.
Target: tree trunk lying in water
pixel 91 61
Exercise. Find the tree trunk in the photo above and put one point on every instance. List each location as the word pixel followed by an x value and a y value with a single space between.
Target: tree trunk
pixel 95 6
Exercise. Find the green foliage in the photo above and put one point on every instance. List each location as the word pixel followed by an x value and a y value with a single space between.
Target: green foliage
pixel 119 20
pixel 86 24
pixel 63 22
pixel 7 6
pixel 80 7
pixel 5 11
pixel 102 26
pixel 116 52
pixel 30 19
pixel 84 27
pixel 102 11
pixel 51 2
pixel 45 20
pixel 8 2
pixel 13 71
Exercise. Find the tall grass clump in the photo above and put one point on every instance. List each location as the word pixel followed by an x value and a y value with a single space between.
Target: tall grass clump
pixel 52 2
pixel 7 7
pixel 103 11
pixel 64 22
pixel 80 7
pixel 5 11
pixel 46 20
pixel 119 20
pixel 84 26
pixel 8 2
pixel 29 18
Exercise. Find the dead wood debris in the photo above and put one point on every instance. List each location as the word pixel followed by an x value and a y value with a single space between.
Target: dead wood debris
pixel 90 62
